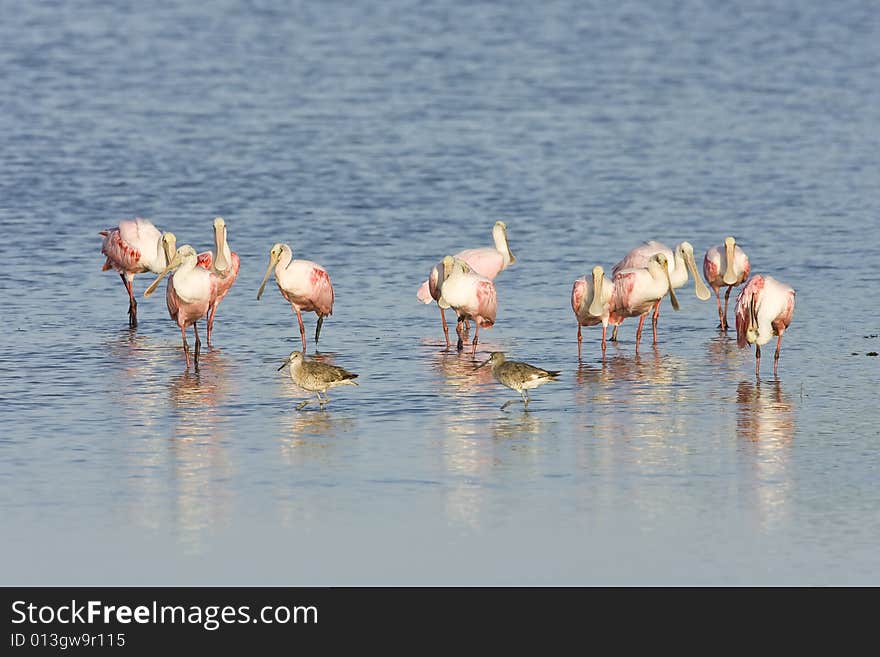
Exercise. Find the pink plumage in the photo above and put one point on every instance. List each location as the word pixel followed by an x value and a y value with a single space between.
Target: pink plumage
pixel 184 313
pixel 728 260
pixel 304 284
pixel 485 261
pixel 764 308
pixel 133 247
pixel 223 265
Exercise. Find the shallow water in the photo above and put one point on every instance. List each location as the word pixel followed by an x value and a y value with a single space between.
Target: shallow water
pixel 375 139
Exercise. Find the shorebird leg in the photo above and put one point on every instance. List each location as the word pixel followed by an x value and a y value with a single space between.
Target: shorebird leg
pixel 445 327
pixel 757 360
pixel 317 330
pixel 654 319
pixel 580 339
pixel 302 328
pixel 724 323
pixel 198 345
pixel 476 336
pixel 185 346
pixel 776 355
pixel 525 397
pixel 301 406
pixel 507 403
pixel 639 331
pixel 132 303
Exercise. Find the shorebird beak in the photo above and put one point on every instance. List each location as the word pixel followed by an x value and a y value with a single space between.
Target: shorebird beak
pixel 598 283
pixel 730 253
pixel 283 364
pixel 700 288
pixel 273 260
pixel 175 262
pixel 483 364
pixel 220 262
pixel 672 298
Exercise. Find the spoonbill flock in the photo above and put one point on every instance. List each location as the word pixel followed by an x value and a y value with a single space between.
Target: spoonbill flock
pixel 464 282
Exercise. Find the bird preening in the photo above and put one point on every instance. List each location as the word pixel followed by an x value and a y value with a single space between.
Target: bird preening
pixel 764 309
pixel 464 282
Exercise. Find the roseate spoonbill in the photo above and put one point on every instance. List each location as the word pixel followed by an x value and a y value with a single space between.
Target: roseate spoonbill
pixel 764 308
pixel 518 376
pixel 471 296
pixel 188 294
pixel 305 284
pixel 636 291
pixel 591 307
pixel 725 264
pixel 316 377
pixel 680 261
pixel 487 261
pixel 136 246
pixel 223 265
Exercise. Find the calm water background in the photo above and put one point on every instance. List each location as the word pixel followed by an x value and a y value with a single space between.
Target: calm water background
pixel 375 138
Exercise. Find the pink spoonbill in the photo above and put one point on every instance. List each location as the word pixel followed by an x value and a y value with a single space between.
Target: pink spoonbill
pixel 636 292
pixel 488 261
pixel 188 294
pixel 591 303
pixel 136 246
pixel 680 261
pixel 764 308
pixel 305 284
pixel 470 295
pixel 725 264
pixel 223 264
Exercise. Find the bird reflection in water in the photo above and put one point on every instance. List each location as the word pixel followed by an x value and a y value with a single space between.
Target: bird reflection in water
pixel 633 408
pixel 764 412
pixel 200 470
pixel 722 354
pixel 467 454
pixel 765 418
pixel 515 426
pixel 309 436
pixel 459 371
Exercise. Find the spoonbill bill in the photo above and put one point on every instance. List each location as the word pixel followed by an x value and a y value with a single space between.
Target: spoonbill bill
pixel 223 264
pixel 764 308
pixel 305 284
pixel 136 246
pixel 187 295
pixel 680 261
pixel 725 264
pixel 487 261
pixel 591 303
pixel 470 295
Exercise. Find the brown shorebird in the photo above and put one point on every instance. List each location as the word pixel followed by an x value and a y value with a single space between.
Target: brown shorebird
pixel 316 377
pixel 518 376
